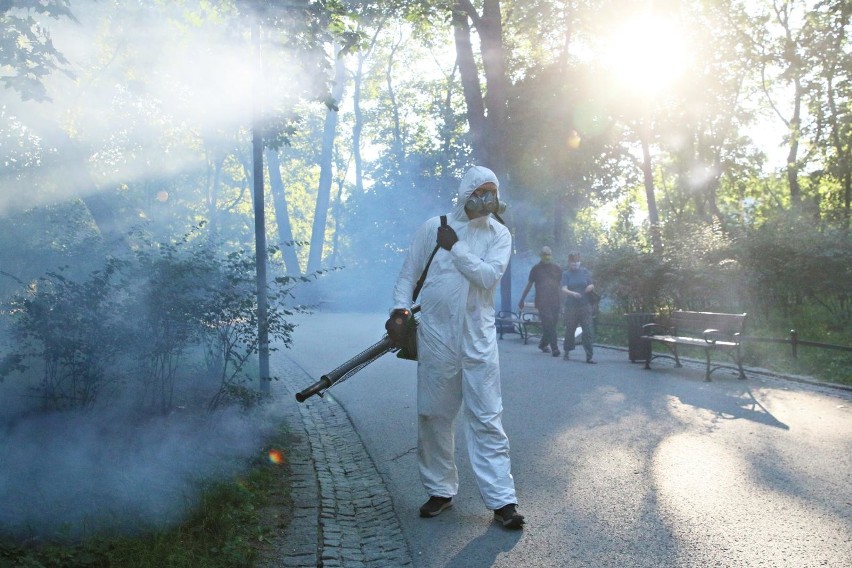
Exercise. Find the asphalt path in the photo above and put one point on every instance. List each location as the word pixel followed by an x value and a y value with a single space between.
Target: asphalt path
pixel 614 465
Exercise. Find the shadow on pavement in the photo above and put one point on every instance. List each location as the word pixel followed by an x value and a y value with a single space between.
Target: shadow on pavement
pixel 482 552
pixel 733 405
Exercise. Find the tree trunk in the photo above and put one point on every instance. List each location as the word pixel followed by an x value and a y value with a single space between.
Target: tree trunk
pixel 326 167
pixel 488 115
pixel 398 142
pixel 490 28
pixel 470 83
pixel 214 163
pixel 558 225
pixel 336 210
pixel 358 126
pixel 282 214
pixel 794 70
pixel 793 151
pixel 844 168
pixel 648 175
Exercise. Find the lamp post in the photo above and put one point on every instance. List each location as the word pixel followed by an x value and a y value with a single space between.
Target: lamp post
pixel 259 218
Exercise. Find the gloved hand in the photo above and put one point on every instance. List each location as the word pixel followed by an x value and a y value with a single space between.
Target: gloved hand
pixel 447 237
pixel 396 326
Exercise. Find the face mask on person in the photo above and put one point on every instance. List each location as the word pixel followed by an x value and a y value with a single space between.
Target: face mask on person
pixel 484 204
pixel 545 257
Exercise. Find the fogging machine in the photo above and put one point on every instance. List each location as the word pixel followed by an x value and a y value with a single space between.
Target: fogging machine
pixel 378 349
pixel 353 365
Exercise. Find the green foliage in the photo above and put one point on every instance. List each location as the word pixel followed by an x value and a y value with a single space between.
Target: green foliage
pixel 231 322
pixel 39 240
pixel 696 272
pixel 70 332
pixel 718 197
pixel 611 328
pixel 783 265
pixel 27 54
pixel 790 264
pixel 139 317
pixel 167 290
pixel 702 273
pixel 631 279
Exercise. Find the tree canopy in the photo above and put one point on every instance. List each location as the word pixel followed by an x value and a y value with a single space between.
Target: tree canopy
pixel 607 121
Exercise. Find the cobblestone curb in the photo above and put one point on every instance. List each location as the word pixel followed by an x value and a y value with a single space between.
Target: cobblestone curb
pixel 343 514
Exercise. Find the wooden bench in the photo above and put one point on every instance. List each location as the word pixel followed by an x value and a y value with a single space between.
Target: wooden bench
pixel 520 323
pixel 509 322
pixel 709 331
pixel 530 321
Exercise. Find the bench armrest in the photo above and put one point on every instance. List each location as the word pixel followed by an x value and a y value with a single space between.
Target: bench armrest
pixel 711 336
pixel 530 317
pixel 507 315
pixel 654 329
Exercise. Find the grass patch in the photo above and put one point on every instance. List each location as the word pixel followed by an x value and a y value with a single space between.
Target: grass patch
pixel 228 529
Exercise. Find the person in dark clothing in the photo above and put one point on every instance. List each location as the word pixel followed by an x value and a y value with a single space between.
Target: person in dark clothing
pixel 577 284
pixel 546 277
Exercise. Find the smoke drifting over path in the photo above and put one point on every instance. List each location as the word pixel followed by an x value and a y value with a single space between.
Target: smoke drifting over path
pixel 70 474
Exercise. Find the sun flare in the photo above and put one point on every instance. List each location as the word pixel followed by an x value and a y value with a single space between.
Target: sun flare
pixel 276 456
pixel 647 53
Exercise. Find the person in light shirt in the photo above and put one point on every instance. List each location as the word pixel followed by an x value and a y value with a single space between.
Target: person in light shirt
pixel 577 285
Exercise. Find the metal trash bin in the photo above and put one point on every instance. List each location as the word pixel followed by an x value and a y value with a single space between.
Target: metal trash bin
pixel 637 350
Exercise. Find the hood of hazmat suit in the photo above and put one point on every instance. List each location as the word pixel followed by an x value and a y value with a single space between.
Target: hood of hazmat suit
pixel 457 337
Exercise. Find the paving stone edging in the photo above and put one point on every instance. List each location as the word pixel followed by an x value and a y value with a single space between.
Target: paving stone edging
pixel 343 513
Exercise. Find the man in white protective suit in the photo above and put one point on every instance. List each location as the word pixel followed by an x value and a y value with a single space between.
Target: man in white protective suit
pixel 458 363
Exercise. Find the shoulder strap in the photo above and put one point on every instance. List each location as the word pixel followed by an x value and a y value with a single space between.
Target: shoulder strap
pixel 426 269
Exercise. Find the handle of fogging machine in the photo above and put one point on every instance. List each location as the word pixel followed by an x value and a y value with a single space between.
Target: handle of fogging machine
pixel 349 367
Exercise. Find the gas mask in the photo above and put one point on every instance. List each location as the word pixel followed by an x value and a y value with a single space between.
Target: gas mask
pixel 485 204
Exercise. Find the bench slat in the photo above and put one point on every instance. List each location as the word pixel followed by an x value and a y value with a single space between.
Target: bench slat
pixel 692 341
pixel 699 321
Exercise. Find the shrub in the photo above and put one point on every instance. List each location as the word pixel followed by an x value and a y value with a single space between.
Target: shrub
pixel 69 333
pixel 139 318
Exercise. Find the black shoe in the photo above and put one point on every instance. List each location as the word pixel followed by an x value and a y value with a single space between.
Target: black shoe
pixel 590 362
pixel 544 349
pixel 566 357
pixel 435 505
pixel 509 517
pixel 556 353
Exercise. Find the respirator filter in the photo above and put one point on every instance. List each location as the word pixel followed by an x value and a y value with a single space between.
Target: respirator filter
pixel 485 204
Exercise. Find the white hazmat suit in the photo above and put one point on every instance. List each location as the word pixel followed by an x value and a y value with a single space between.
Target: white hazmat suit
pixel 457 348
